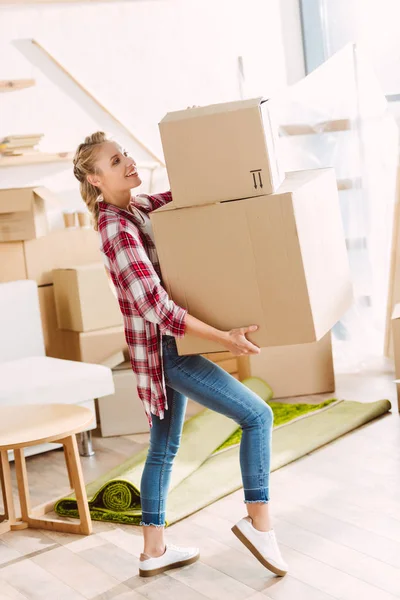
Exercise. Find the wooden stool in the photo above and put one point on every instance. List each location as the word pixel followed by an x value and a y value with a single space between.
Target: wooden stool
pixel 28 425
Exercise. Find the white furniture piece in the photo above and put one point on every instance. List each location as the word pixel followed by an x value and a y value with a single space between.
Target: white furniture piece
pixel 27 376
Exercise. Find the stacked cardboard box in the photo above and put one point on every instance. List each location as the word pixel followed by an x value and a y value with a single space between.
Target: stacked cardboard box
pixel 87 313
pixel 122 413
pixel 299 370
pixel 28 250
pixel 240 244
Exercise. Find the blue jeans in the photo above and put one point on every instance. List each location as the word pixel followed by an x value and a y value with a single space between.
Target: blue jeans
pixel 208 384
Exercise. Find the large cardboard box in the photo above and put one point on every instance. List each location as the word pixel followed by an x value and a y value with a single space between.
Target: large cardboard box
pixel 277 261
pixel 36 259
pixel 299 370
pixel 93 346
pixel 222 152
pixel 123 412
pixel 23 213
pixel 84 301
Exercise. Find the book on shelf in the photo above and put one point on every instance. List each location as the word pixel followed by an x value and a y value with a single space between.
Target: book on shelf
pixel 18 142
pixel 19 152
pixel 21 137
pixel 17 145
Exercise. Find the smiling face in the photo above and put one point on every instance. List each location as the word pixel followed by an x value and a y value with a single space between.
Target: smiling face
pixel 116 171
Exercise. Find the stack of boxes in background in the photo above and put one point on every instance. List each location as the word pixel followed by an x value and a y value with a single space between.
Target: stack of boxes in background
pixel 241 243
pixel 30 250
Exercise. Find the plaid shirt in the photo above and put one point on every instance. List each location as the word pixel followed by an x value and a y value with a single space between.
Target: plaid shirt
pixel 131 258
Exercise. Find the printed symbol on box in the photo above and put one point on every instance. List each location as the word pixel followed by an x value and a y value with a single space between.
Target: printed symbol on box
pixel 255 178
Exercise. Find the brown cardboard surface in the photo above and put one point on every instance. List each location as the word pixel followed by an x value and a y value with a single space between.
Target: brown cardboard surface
pixel 93 346
pixel 53 337
pixel 36 259
pixel 277 261
pixel 22 214
pixel 298 370
pixel 123 412
pixel 396 312
pixel 84 301
pixel 12 261
pixel 221 152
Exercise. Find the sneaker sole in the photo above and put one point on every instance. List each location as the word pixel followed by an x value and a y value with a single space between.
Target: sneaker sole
pixel 256 553
pixel 175 565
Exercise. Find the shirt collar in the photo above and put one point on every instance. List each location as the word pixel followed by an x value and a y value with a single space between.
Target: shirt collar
pixel 107 207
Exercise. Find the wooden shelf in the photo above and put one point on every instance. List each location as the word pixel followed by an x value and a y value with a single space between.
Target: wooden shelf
pixel 323 127
pixel 13 85
pixel 35 159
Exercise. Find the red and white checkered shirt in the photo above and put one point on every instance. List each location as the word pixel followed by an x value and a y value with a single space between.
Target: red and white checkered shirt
pixel 130 256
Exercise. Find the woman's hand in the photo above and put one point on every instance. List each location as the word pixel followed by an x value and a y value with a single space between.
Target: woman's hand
pixel 236 342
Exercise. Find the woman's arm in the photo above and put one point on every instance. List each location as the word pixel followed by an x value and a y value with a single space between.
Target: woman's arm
pixel 151 202
pixel 136 275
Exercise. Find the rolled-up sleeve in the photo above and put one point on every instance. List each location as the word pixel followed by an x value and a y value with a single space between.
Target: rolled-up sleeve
pixel 136 275
pixel 152 202
pixel 158 200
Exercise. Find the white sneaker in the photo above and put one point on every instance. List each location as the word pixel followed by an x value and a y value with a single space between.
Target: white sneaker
pixel 262 544
pixel 173 557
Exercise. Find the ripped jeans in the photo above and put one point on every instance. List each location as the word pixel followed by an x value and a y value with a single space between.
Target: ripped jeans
pixel 208 384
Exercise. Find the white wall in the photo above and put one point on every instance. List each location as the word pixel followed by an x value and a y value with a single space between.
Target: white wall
pixel 141 59
pixel 375 26
pixel 292 40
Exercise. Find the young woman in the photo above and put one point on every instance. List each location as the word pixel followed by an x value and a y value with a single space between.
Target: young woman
pixel 165 380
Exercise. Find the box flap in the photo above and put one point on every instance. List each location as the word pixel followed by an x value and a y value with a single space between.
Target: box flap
pixel 124 366
pixel 16 200
pixel 396 312
pixel 297 179
pixel 202 111
pixel 45 194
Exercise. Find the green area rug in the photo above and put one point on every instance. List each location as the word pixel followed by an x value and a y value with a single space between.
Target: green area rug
pixel 207 465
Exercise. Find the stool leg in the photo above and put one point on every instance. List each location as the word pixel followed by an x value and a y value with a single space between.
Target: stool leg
pixel 8 519
pixel 76 477
pixel 22 480
pixel 30 518
pixel 85 443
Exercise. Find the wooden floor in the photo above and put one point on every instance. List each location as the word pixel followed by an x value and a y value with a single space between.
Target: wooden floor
pixel 336 514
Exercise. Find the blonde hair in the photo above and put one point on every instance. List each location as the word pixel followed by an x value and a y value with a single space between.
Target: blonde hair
pixel 84 165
